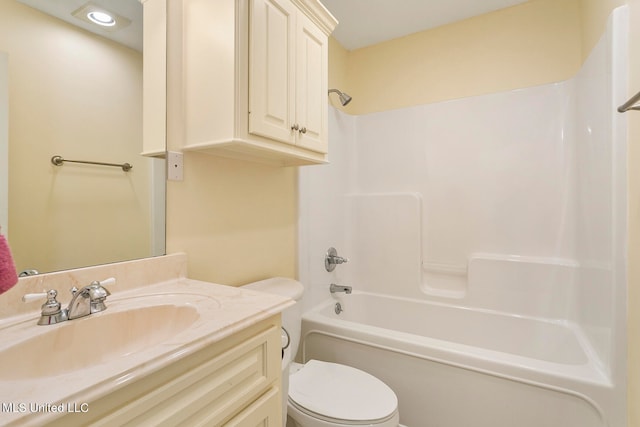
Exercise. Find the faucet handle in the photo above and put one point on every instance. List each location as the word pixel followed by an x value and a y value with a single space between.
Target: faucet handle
pixel 34 297
pixel 331 259
pixel 98 293
pixel 52 306
pixel 97 288
pixel 51 295
pixel 100 285
pixel 105 282
pixel 52 312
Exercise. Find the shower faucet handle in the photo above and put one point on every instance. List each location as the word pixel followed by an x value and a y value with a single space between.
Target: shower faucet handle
pixel 331 259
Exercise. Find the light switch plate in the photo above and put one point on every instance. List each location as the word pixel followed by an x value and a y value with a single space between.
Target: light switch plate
pixel 175 166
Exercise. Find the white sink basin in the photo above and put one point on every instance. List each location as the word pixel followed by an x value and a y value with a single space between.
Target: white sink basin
pixel 95 339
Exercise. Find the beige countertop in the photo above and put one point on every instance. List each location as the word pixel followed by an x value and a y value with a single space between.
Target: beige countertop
pixel 207 314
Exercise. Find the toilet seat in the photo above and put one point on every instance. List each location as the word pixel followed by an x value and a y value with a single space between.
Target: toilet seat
pixel 334 392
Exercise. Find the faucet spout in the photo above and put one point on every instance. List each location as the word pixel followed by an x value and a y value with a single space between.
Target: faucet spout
pixel 79 306
pixel 333 288
pixel 90 299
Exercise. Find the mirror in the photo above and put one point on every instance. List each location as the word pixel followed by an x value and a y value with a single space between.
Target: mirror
pixel 69 92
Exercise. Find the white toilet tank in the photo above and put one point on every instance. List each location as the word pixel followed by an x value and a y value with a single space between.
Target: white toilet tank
pixel 291 322
pixel 292 316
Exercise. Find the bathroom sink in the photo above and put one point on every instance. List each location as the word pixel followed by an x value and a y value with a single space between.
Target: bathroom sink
pixel 99 338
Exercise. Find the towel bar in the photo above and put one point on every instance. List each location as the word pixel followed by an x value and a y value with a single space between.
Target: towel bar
pixel 58 161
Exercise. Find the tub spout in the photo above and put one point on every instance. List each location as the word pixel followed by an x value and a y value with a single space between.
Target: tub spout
pixel 339 288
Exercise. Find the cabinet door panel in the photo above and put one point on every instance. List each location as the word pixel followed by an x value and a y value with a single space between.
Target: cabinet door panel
pixel 264 412
pixel 311 85
pixel 271 69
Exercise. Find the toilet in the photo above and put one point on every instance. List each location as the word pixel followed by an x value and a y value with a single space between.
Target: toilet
pixel 324 394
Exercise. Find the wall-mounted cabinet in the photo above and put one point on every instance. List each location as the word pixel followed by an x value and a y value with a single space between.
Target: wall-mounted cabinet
pixel 254 79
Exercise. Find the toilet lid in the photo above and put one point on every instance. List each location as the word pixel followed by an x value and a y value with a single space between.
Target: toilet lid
pixel 341 392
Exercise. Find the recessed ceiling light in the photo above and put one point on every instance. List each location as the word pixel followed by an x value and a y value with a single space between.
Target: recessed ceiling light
pixel 98 15
pixel 101 18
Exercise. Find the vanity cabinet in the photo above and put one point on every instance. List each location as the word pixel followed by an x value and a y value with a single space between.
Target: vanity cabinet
pixel 254 79
pixel 233 382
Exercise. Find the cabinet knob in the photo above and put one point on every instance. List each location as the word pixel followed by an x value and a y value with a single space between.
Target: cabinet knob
pixel 295 127
pixel 303 130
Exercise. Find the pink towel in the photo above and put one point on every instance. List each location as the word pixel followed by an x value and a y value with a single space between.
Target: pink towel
pixel 8 275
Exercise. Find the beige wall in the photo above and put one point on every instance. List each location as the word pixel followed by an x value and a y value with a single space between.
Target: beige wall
pixel 338 63
pixel 77 95
pixel 236 220
pixel 534 43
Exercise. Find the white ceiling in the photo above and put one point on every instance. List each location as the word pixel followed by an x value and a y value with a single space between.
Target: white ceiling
pixel 361 22
pixel 131 9
pixel 366 22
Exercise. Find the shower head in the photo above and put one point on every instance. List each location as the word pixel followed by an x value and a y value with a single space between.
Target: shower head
pixel 344 98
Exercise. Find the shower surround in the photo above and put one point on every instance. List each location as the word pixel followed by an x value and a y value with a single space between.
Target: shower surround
pixel 511 203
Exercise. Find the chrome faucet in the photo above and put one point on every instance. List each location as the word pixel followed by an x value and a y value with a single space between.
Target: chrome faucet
pixel 87 300
pixel 333 288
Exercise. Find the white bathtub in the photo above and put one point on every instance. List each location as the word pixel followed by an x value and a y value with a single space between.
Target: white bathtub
pixel 457 367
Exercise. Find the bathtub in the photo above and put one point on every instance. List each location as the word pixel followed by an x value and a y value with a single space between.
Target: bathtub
pixel 456 367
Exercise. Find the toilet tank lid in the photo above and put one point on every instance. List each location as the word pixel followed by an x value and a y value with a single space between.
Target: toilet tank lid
pixel 282 286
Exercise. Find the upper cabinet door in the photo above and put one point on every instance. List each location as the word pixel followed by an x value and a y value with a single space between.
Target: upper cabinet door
pixel 272 70
pixel 311 85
